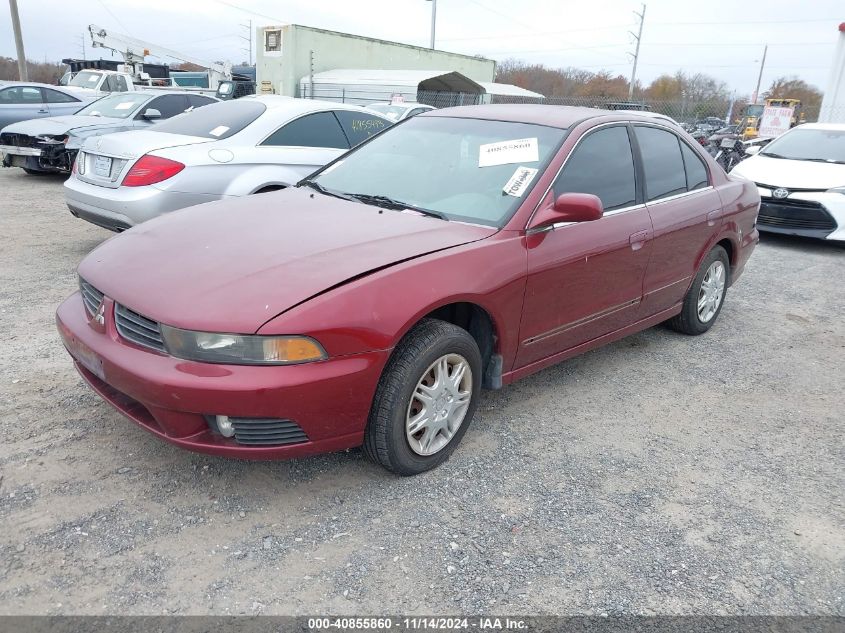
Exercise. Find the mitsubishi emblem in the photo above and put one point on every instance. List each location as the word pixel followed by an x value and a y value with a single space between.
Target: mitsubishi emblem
pixel 100 317
pixel 780 193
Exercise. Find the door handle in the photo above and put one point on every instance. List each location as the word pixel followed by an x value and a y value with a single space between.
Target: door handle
pixel 43 112
pixel 637 240
pixel 713 216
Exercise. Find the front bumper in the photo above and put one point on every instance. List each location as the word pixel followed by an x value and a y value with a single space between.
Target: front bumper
pixel 46 157
pixel 120 208
pixel 816 214
pixel 169 397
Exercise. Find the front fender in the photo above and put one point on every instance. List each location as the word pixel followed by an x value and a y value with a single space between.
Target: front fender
pixel 374 311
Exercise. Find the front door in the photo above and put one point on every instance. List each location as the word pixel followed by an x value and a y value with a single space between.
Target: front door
pixel 585 280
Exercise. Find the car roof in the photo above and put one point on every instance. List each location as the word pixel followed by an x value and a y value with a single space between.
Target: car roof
pixel 540 114
pixel 34 84
pixel 296 105
pixel 821 126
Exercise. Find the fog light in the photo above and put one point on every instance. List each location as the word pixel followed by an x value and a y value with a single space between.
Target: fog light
pixel 224 425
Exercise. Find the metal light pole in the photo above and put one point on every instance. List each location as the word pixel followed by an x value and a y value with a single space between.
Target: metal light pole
pixel 433 19
pixel 760 76
pixel 16 27
pixel 248 27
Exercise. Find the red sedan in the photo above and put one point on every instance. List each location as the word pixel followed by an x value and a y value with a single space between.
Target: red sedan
pixel 368 305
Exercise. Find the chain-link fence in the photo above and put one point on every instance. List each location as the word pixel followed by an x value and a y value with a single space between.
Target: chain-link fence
pixel 688 112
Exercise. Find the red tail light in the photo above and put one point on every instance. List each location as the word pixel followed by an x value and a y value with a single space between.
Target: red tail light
pixel 150 170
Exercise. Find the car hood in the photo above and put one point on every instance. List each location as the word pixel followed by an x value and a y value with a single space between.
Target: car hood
pixel 232 265
pixel 791 174
pixel 60 125
pixel 135 143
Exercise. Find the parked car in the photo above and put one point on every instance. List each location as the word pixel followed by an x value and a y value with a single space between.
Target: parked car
pixel 368 305
pixel 234 148
pixel 801 179
pixel 21 101
pixel 50 145
pixel 400 111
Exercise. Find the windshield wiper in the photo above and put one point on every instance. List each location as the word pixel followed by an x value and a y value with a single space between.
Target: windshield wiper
pixel 773 155
pixel 832 161
pixel 397 205
pixel 328 192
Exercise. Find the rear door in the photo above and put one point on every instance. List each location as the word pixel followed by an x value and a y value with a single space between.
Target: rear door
pixel 60 103
pixel 304 144
pixel 585 279
pixel 685 211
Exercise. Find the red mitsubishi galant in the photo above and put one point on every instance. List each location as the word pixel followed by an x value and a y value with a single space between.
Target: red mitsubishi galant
pixel 463 248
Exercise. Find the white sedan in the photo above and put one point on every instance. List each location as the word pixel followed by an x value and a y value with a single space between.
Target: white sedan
pixel 400 111
pixel 801 180
pixel 234 148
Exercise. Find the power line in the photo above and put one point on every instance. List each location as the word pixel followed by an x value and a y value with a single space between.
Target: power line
pixel 509 18
pixel 116 19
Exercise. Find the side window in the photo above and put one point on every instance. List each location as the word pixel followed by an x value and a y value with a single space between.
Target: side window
pixel 168 105
pixel 360 127
pixel 662 162
pixel 695 168
pixel 110 84
pixel 320 129
pixel 54 96
pixel 603 165
pixel 197 101
pixel 121 83
pixel 21 95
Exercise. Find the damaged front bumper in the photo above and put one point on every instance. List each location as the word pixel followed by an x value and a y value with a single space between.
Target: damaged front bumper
pixel 37 153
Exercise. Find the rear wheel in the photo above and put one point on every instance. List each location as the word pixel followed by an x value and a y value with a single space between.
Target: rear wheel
pixel 704 300
pixel 425 399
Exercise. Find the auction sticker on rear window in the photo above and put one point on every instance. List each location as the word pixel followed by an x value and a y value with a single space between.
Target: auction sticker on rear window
pixel 519 182
pixel 523 150
pixel 219 130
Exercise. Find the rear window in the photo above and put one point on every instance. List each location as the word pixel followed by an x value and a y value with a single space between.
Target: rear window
pixel 215 121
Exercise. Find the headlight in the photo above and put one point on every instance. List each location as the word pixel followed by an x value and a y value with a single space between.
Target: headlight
pixel 241 349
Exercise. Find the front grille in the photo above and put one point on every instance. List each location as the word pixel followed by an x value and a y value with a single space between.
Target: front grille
pixel 91 297
pixel 138 329
pixel 267 432
pixel 795 214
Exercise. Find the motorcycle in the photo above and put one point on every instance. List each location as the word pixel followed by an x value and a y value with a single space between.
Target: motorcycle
pixel 731 151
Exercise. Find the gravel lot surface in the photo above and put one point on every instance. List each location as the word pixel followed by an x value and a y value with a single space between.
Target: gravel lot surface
pixel 661 475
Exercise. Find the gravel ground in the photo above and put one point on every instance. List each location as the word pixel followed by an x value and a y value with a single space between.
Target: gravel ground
pixel 660 475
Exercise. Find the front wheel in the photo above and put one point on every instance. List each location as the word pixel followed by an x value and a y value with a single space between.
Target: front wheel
pixel 425 400
pixel 704 299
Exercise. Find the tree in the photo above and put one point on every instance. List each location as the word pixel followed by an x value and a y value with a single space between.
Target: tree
pixel 795 88
pixel 46 72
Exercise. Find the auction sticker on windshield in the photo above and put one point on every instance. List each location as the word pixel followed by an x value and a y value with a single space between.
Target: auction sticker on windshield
pixel 524 150
pixel 124 105
pixel 519 182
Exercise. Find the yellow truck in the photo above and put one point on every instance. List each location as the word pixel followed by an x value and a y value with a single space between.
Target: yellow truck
pixel 749 123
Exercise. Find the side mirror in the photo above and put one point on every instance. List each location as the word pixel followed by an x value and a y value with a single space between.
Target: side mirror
pixel 151 114
pixel 753 149
pixel 569 207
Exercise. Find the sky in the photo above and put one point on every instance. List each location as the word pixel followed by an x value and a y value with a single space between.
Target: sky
pixel 723 38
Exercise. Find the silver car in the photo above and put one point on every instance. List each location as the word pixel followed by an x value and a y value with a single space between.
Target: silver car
pixel 50 145
pixel 233 148
pixel 21 101
pixel 400 111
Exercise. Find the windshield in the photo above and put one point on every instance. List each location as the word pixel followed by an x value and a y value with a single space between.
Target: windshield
pixel 392 112
pixel 809 144
pixel 119 106
pixel 215 121
pixel 86 79
pixel 457 168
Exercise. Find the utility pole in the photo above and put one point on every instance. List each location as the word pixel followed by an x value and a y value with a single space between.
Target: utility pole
pixel 16 27
pixel 83 45
pixel 248 39
pixel 760 76
pixel 433 20
pixel 636 55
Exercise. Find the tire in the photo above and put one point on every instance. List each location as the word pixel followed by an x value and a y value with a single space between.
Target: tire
pixel 693 320
pixel 389 438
